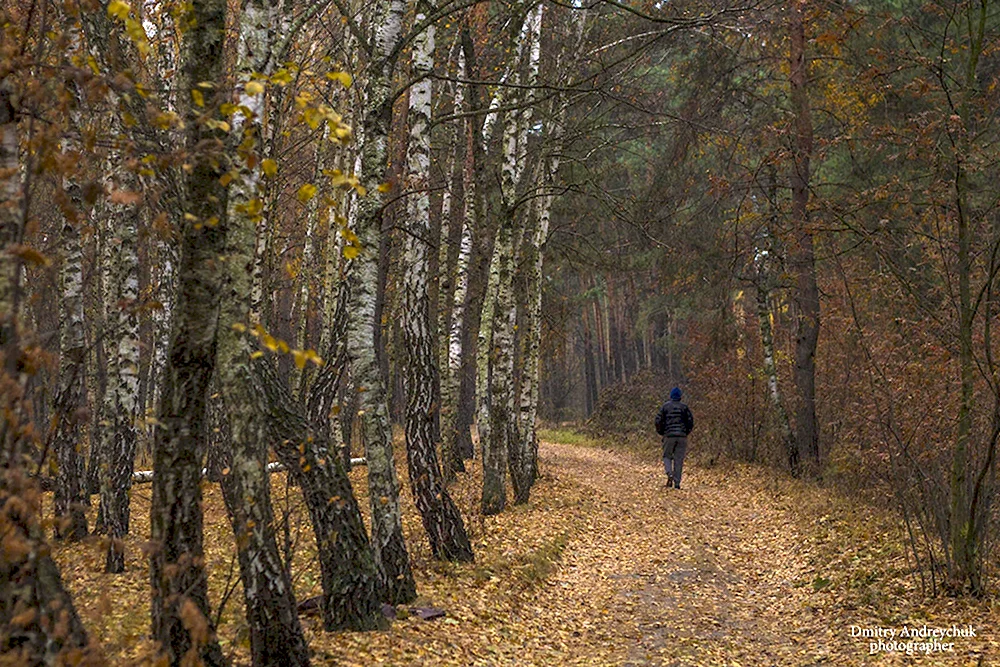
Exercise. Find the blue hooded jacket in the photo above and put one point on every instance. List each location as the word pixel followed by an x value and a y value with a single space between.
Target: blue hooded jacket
pixel 674 420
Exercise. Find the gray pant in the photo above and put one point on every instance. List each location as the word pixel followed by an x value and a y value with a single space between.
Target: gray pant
pixel 674 449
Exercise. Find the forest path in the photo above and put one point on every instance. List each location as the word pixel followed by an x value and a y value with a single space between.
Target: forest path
pixel 711 574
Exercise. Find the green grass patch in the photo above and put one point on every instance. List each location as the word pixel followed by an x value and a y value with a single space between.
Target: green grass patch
pixel 567 436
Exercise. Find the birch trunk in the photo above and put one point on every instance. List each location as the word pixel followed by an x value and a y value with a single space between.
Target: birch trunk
pixel 453 324
pixel 764 279
pixel 502 447
pixel 499 450
pixel 162 318
pixel 441 518
pixel 116 477
pixel 29 578
pixel 499 311
pixel 105 363
pixel 494 459
pixel 533 330
pixel 387 528
pixel 771 371
pixel 181 620
pixel 300 376
pixel 272 616
pixel 70 494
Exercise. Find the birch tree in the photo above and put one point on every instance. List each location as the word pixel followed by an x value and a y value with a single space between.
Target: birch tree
pixel 440 515
pixel 387 528
pixel 275 632
pixel 261 409
pixel 116 470
pixel 70 494
pixel 180 610
pixel 495 391
pixel 38 622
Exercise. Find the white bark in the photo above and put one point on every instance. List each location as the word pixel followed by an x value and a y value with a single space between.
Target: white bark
pixel 10 208
pixel 123 384
pixel 387 531
pixel 533 324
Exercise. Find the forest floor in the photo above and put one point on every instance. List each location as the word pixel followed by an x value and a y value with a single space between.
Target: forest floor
pixel 604 566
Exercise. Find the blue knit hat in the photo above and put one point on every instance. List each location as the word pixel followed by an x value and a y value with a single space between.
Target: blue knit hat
pixel 675 394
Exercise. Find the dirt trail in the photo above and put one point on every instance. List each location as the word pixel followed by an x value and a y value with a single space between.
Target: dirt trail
pixel 712 574
pixel 604 566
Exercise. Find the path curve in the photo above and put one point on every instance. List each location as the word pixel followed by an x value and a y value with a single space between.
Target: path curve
pixel 712 574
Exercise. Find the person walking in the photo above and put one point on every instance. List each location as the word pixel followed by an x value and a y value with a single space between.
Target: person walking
pixel 674 422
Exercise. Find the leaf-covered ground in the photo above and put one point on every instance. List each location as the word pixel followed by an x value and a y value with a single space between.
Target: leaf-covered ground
pixel 605 566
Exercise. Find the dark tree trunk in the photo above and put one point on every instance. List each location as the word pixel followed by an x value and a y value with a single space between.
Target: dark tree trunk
pixel 440 516
pixel 590 372
pixel 352 590
pixel 275 632
pixel 478 268
pixel 181 619
pixel 803 262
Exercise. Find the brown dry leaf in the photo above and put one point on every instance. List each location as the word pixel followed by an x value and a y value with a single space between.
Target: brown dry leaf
pixel 604 566
pixel 125 197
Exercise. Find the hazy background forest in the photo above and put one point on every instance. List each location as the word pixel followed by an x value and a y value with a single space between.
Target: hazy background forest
pixel 302 282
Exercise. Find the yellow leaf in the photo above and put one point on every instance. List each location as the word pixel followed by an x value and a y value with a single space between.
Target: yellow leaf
pixel 197 97
pixel 256 355
pixel 337 178
pixel 384 187
pixel 351 251
pixel 306 192
pixel 138 35
pixel 300 359
pixel 119 9
pixel 343 77
pixel 253 88
pixel 281 77
pixel 270 167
